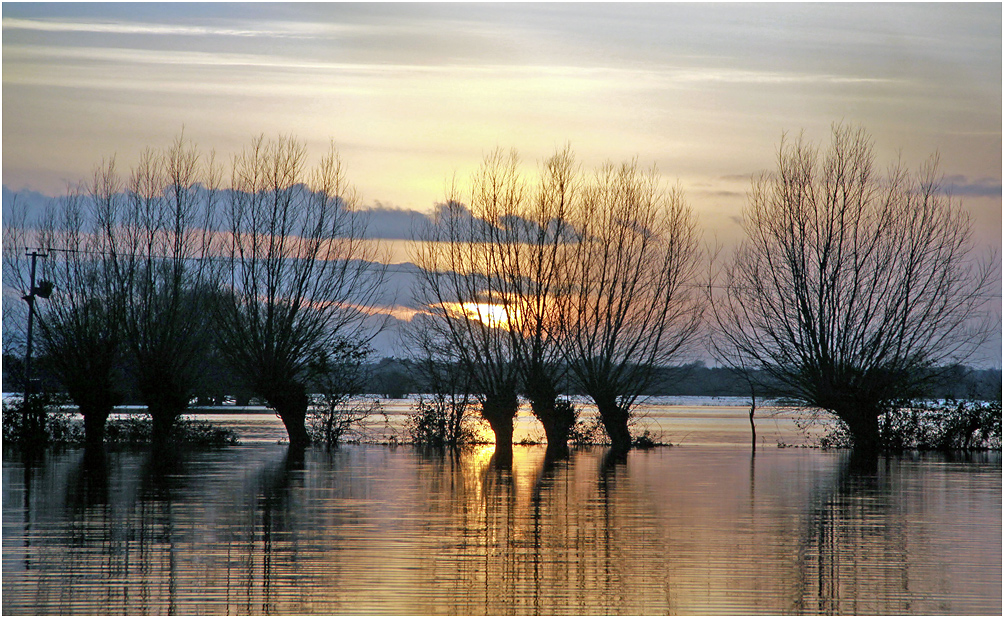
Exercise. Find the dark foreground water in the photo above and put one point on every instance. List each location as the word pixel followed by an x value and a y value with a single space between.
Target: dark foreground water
pixel 385 530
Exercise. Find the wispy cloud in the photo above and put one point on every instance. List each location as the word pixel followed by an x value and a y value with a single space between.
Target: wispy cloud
pixel 635 78
pixel 267 29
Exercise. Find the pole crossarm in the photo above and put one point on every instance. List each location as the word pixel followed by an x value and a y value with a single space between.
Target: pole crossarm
pixel 43 290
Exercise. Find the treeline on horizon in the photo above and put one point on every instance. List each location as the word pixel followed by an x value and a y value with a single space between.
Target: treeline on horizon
pixel 398 378
pixel 853 291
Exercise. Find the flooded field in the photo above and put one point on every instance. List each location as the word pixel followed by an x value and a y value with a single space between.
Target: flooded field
pixel 701 527
pixel 692 421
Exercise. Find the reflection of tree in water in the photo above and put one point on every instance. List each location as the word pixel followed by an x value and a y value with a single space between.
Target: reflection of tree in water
pixel 393 531
pixel 904 534
pixel 257 548
pixel 133 533
pixel 123 520
pixel 542 537
pixel 90 528
pixel 854 552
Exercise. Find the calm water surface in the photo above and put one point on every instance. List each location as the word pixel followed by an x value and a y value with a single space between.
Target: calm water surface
pixel 696 528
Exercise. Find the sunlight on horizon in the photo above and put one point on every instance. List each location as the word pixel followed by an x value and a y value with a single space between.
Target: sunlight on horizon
pixel 491 315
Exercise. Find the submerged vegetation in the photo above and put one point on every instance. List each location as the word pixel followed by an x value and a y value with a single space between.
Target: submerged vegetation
pixel 852 292
pixel 43 422
pixel 943 426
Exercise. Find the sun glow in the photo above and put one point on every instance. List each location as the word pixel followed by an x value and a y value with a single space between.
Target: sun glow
pixel 492 316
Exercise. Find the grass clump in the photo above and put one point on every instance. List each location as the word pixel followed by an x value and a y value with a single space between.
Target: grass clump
pixel 137 430
pixel 646 441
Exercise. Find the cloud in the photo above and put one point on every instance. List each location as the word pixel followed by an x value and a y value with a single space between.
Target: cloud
pixel 738 177
pixel 961 186
pixel 269 29
pixel 393 223
pixel 584 78
pixel 720 193
pixel 31 202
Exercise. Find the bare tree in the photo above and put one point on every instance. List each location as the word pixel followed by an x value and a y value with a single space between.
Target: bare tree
pixel 80 325
pixel 463 286
pixel 163 260
pixel 17 236
pixel 630 305
pixel 851 287
pixel 294 264
pixel 535 254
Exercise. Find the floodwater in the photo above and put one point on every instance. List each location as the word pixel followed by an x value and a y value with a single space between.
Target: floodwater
pixel 689 421
pixel 703 527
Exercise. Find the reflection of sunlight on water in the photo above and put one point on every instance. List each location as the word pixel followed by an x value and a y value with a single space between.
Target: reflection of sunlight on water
pixel 398 530
pixel 688 421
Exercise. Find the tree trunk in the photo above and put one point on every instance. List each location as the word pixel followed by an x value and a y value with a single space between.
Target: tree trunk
pixel 615 421
pixel 95 403
pixel 500 412
pixel 557 420
pixel 95 419
pixel 165 403
pixel 864 427
pixel 164 415
pixel 290 402
pixel 502 428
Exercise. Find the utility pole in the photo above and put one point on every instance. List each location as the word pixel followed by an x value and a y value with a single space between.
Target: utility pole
pixel 43 290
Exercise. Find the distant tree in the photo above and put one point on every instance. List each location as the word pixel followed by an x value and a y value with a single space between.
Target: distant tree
pixel 851 288
pixel 393 378
pixel 294 265
pixel 630 305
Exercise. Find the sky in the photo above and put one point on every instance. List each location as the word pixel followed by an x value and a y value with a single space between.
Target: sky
pixel 413 94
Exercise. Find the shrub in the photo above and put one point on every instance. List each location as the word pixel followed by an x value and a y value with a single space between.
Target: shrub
pixel 137 429
pixel 134 429
pixel 340 419
pixel 442 420
pixel 49 424
pixel 945 426
pixel 203 433
pixel 38 422
pixel 587 432
pixel 646 441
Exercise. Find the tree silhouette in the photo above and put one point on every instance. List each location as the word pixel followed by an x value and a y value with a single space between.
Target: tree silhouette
pixel 463 273
pixel 851 288
pixel 163 265
pixel 537 251
pixel 80 326
pixel 630 306
pixel 294 264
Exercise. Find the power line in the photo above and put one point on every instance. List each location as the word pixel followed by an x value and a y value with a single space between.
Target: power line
pixel 394 268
